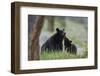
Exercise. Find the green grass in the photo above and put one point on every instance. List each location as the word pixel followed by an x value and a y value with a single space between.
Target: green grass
pixel 61 55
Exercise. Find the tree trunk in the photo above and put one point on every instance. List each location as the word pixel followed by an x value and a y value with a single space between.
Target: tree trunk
pixel 37 27
pixel 50 20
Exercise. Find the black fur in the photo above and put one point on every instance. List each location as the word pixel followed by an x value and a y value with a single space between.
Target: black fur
pixel 55 41
pixel 69 46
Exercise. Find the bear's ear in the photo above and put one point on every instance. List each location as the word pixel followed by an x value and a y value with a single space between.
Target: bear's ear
pixel 63 29
pixel 70 41
pixel 57 29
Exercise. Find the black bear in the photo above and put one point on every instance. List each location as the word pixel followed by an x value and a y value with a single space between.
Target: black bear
pixel 55 41
pixel 69 46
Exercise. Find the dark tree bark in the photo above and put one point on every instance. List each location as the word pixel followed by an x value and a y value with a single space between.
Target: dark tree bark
pixel 37 27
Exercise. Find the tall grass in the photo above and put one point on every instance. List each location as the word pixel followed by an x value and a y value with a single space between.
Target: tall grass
pixel 45 55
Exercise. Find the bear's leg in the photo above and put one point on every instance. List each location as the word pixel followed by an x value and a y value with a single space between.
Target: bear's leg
pixel 73 49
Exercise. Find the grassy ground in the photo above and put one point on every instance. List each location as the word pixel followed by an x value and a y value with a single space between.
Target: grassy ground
pixel 61 55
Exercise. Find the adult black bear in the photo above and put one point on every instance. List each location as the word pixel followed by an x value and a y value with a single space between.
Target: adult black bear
pixel 54 43
pixel 69 46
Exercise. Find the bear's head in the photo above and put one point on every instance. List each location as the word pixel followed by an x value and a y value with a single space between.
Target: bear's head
pixel 67 42
pixel 59 36
pixel 61 33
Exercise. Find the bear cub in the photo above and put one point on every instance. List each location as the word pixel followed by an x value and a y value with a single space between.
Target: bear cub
pixel 69 46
